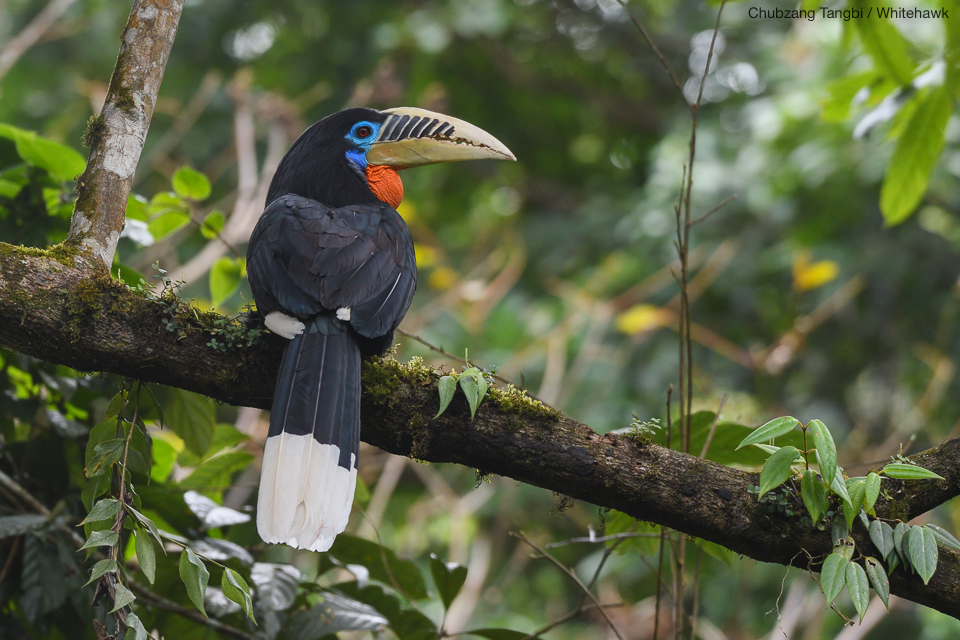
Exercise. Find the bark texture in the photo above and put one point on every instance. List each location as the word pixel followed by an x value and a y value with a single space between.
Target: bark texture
pixel 116 136
pixel 62 306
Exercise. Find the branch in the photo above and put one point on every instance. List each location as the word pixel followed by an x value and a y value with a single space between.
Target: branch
pixel 61 306
pixel 16 47
pixel 116 136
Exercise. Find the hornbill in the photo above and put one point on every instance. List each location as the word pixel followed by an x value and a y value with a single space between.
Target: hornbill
pixel 331 266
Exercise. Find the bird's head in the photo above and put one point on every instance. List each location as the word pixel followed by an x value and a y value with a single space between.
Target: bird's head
pixel 353 156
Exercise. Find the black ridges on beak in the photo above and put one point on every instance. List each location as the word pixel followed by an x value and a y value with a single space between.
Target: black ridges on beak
pixel 413 137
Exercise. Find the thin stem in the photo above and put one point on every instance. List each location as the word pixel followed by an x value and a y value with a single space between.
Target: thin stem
pixel 806 452
pixel 574 577
pixel 653 45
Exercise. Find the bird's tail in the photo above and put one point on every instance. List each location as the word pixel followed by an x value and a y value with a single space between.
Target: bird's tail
pixel 310 458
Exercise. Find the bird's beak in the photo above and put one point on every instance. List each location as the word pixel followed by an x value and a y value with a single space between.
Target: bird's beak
pixel 415 137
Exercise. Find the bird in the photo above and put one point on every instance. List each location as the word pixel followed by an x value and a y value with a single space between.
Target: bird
pixel 332 268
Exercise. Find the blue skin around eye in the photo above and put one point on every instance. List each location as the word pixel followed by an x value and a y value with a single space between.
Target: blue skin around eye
pixel 358 157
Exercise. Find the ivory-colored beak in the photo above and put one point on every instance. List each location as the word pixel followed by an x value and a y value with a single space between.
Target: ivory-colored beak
pixel 415 137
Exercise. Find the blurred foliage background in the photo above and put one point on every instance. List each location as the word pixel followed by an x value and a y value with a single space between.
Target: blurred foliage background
pixel 556 269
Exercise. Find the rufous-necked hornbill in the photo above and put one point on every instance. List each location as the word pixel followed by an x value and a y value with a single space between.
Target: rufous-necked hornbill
pixel 331 266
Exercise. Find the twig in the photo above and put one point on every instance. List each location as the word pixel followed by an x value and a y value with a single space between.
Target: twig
pixel 573 576
pixel 713 210
pixel 567 618
pixel 442 352
pixel 713 427
pixel 653 46
pixel 615 536
pixel 31 33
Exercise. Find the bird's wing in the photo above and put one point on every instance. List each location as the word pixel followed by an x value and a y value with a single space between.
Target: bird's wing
pixel 305 258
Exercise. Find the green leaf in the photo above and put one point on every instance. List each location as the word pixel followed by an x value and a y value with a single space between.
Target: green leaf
pixel 95 487
pixel 889 544
pixel 858 587
pixel 190 183
pixel 336 613
pixel 216 473
pixel 105 538
pixel 105 455
pixel 826 450
pixel 851 507
pixel 900 542
pixel 406 623
pixel 192 417
pixel 148 523
pixel 236 589
pixel 101 568
pixel 833 575
pixel 471 389
pixel 448 578
pixel 713 549
pixel 447 386
pixel 135 628
pixel 883 42
pixel 137 208
pixel 871 488
pixel 775 428
pixel 122 598
pixel 944 537
pixel 99 434
pixel 18 525
pixel 839 487
pixel 904 471
pixel 225 276
pixel 879 580
pixel 884 544
pixel 915 155
pixel 212 224
pixel 195 577
pixel 103 510
pixel 814 495
pixel 924 554
pixel 350 549
pixel 777 469
pixel 166 223
pixel 59 160
pixel 145 554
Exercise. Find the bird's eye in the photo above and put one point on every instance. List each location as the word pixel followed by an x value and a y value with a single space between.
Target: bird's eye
pixel 364 132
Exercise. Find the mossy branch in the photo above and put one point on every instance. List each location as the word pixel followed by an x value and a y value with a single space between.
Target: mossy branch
pixel 61 305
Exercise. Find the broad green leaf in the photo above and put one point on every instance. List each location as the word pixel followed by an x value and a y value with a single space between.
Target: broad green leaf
pixel 777 469
pixel 60 161
pixel 944 537
pixel 814 495
pixel 164 457
pixel 889 544
pixel 846 548
pixel 904 471
pixel 826 450
pixel 768 448
pixel 839 486
pixel 215 474
pixel 350 549
pixel 105 538
pixel 225 276
pixel 724 555
pixel 236 589
pixel 406 623
pixel 851 507
pixel 840 94
pixel 858 587
pixel 871 490
pixel 882 539
pixel 148 523
pixel 166 223
pixel 900 541
pixel 879 580
pixel 915 155
pixel 135 628
pixel 336 613
pixel 95 487
pixel 884 43
pixel 212 224
pixel 122 598
pixel 9 189
pixel 775 428
pixel 190 183
pixel 137 208
pixel 195 577
pixel 105 455
pixel 472 390
pixel 145 554
pixel 447 387
pixel 833 576
pixel 191 416
pixel 105 430
pixel 101 568
pixel 924 554
pixel 18 525
pixel 448 578
pixel 106 509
